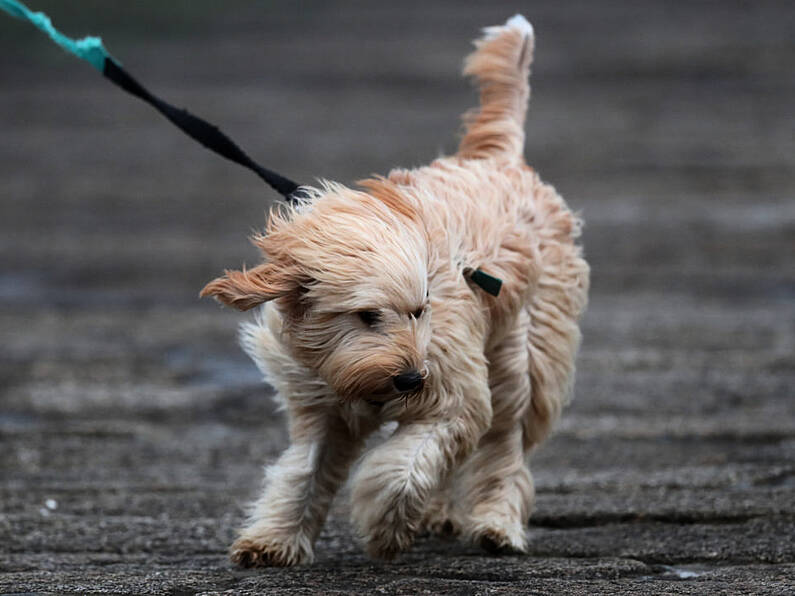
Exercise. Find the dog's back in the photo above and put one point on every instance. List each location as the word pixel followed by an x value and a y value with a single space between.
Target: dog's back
pixel 492 210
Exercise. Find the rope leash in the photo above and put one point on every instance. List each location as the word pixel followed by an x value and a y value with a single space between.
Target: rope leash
pixel 93 51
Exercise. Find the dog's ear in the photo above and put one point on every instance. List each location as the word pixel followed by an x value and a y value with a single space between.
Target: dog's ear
pixel 248 288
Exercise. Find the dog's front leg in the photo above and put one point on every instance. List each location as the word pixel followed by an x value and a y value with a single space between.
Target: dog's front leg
pixel 395 482
pixel 288 516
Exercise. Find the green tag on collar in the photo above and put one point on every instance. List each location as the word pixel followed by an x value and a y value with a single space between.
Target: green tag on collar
pixel 488 283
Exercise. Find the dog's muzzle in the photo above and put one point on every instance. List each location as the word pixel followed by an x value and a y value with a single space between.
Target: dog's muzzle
pixel 411 380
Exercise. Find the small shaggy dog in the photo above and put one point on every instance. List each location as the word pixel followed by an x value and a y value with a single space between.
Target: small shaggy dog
pixel 371 312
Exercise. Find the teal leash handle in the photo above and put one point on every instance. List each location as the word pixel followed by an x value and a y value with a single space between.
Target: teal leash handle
pixel 88 48
pixel 92 51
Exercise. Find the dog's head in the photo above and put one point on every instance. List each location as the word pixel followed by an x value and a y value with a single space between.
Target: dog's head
pixel 348 272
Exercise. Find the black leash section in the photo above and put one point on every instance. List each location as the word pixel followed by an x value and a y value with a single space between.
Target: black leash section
pixel 200 130
pixel 92 51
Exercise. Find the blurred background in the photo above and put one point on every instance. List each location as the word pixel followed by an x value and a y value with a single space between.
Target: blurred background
pixel 132 427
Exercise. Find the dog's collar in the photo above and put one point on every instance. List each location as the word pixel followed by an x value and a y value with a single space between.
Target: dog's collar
pixel 92 51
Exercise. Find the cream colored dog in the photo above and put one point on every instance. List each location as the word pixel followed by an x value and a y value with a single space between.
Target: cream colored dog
pixel 370 314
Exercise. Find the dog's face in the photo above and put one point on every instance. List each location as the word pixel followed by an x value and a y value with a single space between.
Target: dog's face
pixel 349 273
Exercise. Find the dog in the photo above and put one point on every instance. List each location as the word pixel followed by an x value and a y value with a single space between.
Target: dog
pixel 370 312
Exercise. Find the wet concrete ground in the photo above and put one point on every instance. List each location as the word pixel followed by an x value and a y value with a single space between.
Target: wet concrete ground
pixel 132 428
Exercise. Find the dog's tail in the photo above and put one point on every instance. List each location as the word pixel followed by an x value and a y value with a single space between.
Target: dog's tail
pixel 500 65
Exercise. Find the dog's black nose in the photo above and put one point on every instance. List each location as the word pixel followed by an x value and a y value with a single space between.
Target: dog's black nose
pixel 411 380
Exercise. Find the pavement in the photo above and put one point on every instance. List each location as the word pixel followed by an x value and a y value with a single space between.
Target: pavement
pixel 133 429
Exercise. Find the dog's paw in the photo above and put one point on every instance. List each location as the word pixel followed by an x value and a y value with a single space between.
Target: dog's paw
pixel 249 552
pixel 388 542
pixel 438 521
pixel 388 538
pixel 386 510
pixel 444 528
pixel 385 532
pixel 497 541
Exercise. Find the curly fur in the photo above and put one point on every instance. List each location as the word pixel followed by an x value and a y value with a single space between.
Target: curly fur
pixel 496 370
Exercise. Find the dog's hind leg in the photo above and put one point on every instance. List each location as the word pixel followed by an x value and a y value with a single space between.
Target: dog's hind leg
pixel 494 488
pixel 558 300
pixel 500 65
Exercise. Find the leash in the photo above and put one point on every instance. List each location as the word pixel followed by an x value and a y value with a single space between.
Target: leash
pixel 92 51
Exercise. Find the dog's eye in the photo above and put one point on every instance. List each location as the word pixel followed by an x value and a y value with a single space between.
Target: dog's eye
pixel 369 317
